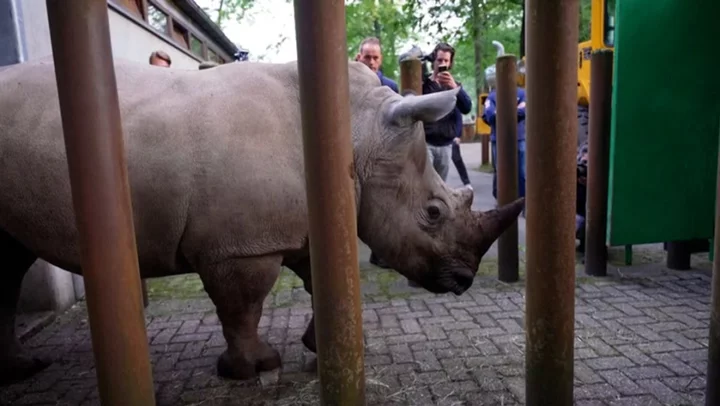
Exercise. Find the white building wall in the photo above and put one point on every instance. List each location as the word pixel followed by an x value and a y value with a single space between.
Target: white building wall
pixel 129 39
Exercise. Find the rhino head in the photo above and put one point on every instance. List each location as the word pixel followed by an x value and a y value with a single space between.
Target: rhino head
pixel 407 215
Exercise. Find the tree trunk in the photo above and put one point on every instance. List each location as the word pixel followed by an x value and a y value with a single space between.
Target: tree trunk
pixel 477 33
pixel 522 32
pixel 219 15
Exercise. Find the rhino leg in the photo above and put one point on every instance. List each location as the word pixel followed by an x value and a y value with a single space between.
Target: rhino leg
pixel 302 270
pixel 15 363
pixel 238 288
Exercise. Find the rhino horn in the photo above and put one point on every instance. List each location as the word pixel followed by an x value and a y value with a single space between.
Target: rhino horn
pixel 494 222
pixel 427 108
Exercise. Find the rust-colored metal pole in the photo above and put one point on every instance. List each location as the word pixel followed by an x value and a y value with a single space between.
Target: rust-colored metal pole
pixel 712 386
pixel 411 77
pixel 552 36
pixel 598 163
pixel 327 145
pixel 485 145
pixel 92 129
pixel 507 164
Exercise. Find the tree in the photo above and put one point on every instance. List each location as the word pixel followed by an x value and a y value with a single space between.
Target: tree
pixel 480 22
pixel 380 18
pixel 222 11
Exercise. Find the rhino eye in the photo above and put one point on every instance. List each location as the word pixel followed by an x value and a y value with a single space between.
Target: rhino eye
pixel 433 212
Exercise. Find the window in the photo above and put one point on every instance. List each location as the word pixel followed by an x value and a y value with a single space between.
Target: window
pixel 160 18
pixel 180 34
pixel 134 7
pixel 157 19
pixel 212 56
pixel 196 46
pixel 609 36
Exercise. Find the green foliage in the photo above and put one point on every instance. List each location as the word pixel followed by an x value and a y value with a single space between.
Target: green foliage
pixel 222 11
pixel 383 19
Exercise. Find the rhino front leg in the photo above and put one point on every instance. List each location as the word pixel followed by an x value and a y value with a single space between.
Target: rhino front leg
pixel 302 270
pixel 15 363
pixel 238 288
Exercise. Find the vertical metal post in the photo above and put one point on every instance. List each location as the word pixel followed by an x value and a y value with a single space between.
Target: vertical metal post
pixel 678 255
pixel 598 163
pixel 485 145
pixel 507 164
pixel 143 288
pixel 92 129
pixel 552 36
pixel 712 386
pixel 321 39
pixel 411 77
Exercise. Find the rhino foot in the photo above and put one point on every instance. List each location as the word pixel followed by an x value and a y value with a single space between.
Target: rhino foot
pixel 248 365
pixel 20 367
pixel 308 338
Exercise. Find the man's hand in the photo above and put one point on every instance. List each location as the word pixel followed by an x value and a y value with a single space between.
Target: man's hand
pixel 445 78
pixel 456 140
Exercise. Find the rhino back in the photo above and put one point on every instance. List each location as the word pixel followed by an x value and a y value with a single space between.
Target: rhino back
pixel 209 168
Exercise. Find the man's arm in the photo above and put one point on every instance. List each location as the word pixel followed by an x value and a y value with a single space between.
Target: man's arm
pixel 489 110
pixel 521 105
pixel 464 103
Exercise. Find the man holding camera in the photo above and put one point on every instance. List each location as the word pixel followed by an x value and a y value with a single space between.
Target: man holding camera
pixel 441 134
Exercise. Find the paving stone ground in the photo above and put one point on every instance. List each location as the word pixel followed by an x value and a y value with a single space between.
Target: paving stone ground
pixel 641 339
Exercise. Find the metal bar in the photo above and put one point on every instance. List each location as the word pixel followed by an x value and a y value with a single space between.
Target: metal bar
pixel 598 163
pixel 143 287
pixel 327 146
pixel 712 388
pixel 485 145
pixel 411 77
pixel 507 164
pixel 92 129
pixel 678 255
pixel 552 37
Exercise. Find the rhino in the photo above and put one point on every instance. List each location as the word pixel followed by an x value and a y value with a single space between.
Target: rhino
pixel 217 182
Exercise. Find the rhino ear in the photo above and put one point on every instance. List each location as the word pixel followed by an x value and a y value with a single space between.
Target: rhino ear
pixel 426 108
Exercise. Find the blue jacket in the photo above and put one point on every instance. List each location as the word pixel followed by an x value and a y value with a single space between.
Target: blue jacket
pixel 489 114
pixel 388 82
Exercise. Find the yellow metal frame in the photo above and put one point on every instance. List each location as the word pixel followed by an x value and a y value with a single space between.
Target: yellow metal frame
pixel 586 48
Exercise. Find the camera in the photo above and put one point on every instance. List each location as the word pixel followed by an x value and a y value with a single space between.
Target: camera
pixel 443 68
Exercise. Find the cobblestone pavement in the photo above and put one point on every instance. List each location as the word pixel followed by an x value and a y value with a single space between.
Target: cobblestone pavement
pixel 641 339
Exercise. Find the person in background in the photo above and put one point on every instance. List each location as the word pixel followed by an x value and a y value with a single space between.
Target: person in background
pixel 456 157
pixel 440 135
pixel 489 117
pixel 370 54
pixel 160 58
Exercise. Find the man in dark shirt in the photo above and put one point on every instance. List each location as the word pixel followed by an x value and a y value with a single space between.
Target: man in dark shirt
pixel 441 134
pixel 370 54
pixel 489 117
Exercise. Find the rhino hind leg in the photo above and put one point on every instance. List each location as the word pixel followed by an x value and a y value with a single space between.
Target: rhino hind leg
pixel 238 287
pixel 302 270
pixel 15 363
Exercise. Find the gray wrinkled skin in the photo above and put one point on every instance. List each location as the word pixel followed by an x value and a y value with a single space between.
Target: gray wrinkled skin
pixel 215 166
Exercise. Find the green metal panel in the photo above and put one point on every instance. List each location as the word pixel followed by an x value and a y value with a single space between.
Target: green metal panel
pixel 665 121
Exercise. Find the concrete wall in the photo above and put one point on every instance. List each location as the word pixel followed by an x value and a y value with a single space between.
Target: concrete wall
pixel 25 35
